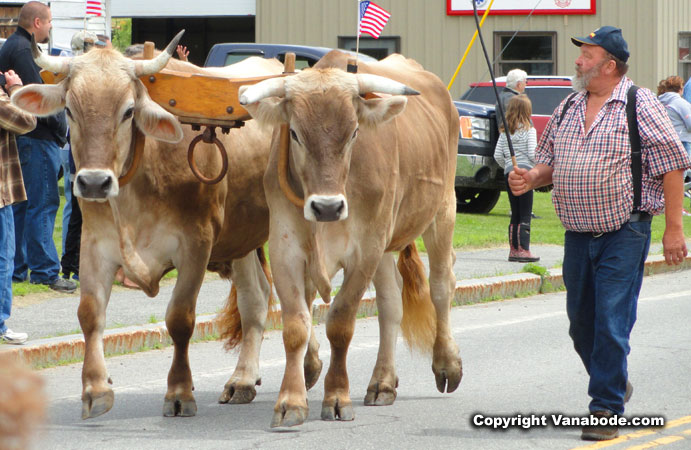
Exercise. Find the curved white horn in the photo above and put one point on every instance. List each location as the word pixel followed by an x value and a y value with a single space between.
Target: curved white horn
pixel 374 83
pixel 151 66
pixel 56 64
pixel 273 87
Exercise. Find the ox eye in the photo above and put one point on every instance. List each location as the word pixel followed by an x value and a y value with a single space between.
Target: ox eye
pixel 355 133
pixel 128 114
pixel 294 135
pixel 68 112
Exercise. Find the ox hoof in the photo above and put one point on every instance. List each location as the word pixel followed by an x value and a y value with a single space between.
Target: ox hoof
pixel 338 411
pixel 236 394
pixel 93 405
pixel 449 378
pixel 312 372
pixel 380 394
pixel 177 406
pixel 289 417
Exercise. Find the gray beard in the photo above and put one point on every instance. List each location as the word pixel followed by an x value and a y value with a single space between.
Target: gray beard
pixel 581 82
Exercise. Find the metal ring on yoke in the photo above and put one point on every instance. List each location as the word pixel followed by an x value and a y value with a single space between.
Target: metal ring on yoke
pixel 209 137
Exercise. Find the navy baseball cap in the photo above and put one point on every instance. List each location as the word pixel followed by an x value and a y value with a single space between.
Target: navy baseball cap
pixel 607 37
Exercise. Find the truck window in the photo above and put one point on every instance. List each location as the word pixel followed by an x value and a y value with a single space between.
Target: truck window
pixel 301 62
pixel 546 99
pixel 234 57
pixel 481 94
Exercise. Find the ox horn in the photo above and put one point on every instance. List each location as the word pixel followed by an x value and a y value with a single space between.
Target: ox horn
pixel 55 64
pixel 374 83
pixel 273 87
pixel 152 66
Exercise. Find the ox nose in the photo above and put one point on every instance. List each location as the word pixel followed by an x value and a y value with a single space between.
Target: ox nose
pixel 326 208
pixel 94 184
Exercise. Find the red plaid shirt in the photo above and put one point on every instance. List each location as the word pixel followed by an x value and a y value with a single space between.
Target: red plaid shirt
pixel 12 121
pixel 593 187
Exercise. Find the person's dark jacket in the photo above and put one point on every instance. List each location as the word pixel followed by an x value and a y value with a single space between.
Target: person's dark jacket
pixel 16 55
pixel 504 96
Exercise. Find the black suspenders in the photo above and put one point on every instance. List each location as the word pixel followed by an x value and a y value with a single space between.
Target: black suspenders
pixel 634 138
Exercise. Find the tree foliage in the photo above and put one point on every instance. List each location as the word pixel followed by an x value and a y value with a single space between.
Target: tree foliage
pixel 122 33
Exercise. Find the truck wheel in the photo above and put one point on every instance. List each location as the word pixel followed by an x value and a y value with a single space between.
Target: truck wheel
pixel 476 201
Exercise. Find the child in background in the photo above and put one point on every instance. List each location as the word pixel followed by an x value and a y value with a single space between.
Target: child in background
pixel 524 140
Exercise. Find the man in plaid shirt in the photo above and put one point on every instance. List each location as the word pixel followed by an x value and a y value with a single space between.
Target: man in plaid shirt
pixel 586 154
pixel 12 121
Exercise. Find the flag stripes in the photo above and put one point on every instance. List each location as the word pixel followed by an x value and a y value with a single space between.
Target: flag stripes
pixel 94 8
pixel 373 18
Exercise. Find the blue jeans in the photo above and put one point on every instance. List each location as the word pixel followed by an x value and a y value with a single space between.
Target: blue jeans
pixel 603 277
pixel 6 264
pixel 67 209
pixel 34 220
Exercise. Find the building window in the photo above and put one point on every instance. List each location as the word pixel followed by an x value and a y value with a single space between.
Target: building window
pixel 376 48
pixel 684 56
pixel 533 52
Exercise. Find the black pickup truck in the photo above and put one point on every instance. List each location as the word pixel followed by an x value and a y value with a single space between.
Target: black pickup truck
pixel 479 180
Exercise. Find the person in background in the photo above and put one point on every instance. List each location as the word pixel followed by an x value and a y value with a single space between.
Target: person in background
pixel 39 154
pixel 182 52
pixel 12 121
pixel 524 140
pixel 587 156
pixel 679 110
pixel 515 84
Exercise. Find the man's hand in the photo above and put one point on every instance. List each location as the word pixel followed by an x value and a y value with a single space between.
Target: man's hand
pixel 674 246
pixel 12 79
pixel 520 181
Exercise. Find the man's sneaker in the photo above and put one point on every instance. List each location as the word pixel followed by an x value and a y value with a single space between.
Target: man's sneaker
pixel 685 212
pixel 60 285
pixel 599 432
pixel 10 337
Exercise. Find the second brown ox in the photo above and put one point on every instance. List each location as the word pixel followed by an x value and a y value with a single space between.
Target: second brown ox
pixel 374 174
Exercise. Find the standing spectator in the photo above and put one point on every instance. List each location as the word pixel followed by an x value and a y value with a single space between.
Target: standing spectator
pixel 587 156
pixel 39 154
pixel 12 121
pixel 524 140
pixel 687 90
pixel 679 110
pixel 515 84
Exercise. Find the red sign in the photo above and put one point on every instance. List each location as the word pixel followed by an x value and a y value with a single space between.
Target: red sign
pixel 521 7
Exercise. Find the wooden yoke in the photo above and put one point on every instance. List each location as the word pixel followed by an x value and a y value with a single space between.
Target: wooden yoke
pixel 197 100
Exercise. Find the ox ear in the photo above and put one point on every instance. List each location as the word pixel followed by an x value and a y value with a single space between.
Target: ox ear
pixel 41 100
pixel 380 110
pixel 155 121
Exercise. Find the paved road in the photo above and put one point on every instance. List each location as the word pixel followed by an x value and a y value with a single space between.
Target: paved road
pixel 517 359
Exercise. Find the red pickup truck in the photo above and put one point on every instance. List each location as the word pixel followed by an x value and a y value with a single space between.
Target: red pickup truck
pixel 479 180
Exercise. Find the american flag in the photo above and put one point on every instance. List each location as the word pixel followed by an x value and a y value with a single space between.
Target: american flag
pixel 94 8
pixel 372 19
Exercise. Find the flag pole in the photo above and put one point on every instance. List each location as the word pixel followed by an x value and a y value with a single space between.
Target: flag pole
pixel 357 38
pixel 352 63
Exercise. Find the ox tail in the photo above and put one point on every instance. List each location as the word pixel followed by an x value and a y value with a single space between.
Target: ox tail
pixel 419 323
pixel 229 320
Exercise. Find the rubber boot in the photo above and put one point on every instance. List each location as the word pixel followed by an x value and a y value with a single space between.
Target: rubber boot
pixel 523 254
pixel 513 243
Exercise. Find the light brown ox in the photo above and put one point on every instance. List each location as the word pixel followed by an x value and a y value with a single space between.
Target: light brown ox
pixel 375 174
pixel 164 218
